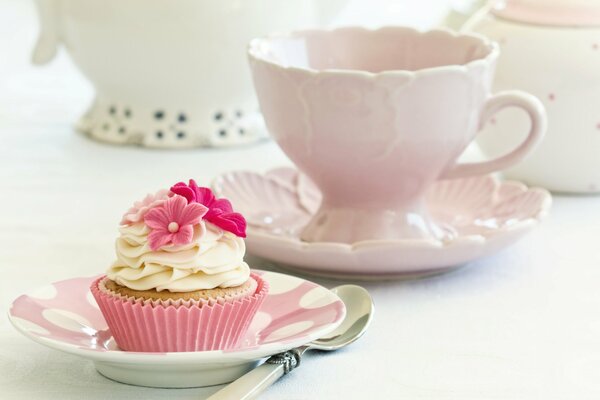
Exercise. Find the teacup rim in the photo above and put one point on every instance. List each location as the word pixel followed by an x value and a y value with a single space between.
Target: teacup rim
pixel 255 54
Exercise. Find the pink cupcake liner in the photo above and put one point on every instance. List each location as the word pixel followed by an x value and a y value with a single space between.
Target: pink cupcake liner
pixel 166 326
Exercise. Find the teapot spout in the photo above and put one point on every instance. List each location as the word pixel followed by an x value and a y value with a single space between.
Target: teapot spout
pixel 48 40
pixel 463 11
pixel 327 11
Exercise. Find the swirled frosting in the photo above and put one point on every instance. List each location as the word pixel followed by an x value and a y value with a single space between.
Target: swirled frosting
pixel 214 258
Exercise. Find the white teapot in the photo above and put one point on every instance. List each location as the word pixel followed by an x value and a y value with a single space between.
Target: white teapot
pixel 170 73
pixel 550 48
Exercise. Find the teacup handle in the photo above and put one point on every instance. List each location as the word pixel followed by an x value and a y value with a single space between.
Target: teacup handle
pixel 513 98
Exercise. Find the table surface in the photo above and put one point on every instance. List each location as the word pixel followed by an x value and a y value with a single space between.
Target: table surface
pixel 524 324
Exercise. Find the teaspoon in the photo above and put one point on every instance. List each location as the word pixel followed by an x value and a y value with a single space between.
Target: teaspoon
pixel 359 312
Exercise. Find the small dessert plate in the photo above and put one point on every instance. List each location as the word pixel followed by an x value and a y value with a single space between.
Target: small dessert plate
pixel 65 316
pixel 481 214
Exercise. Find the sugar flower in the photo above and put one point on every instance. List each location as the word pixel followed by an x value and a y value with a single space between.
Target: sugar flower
pixel 173 222
pixel 220 211
pixel 139 209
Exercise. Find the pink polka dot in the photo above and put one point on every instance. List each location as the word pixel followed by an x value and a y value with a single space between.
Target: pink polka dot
pixel 551 97
pixel 493 121
pixel 598 126
pixel 595 46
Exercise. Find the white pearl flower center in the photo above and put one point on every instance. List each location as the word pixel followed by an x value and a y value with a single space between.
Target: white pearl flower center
pixel 173 227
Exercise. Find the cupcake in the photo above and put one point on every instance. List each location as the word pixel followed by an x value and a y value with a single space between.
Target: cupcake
pixel 180 282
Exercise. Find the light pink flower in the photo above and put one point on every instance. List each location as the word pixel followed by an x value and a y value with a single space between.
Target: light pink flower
pixel 173 222
pixel 139 209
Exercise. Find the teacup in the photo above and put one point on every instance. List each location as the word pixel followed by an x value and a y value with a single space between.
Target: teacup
pixel 374 117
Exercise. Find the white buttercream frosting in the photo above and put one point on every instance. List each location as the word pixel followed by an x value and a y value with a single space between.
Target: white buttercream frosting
pixel 214 259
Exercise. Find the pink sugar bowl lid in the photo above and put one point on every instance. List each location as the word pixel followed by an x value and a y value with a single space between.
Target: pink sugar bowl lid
pixel 576 13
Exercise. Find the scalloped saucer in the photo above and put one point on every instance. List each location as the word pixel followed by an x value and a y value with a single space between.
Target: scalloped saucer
pixel 483 214
pixel 65 316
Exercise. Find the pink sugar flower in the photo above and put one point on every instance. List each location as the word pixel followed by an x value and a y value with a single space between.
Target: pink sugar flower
pixel 140 208
pixel 220 212
pixel 173 222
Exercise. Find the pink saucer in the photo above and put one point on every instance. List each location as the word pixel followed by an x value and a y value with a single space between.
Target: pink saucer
pixel 483 215
pixel 65 316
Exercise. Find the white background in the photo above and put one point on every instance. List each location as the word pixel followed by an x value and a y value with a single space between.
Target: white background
pixel 524 324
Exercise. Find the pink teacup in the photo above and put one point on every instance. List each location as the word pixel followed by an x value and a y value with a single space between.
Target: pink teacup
pixel 375 117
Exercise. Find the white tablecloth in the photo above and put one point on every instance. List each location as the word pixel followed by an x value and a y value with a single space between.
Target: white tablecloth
pixel 524 324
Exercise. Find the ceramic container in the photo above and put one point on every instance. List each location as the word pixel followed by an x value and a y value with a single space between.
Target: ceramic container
pixel 169 73
pixel 374 118
pixel 550 48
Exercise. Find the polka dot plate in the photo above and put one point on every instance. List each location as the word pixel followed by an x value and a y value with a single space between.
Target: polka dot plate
pixel 65 316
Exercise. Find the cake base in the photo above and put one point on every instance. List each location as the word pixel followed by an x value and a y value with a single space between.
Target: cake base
pixel 237 292
pixel 176 325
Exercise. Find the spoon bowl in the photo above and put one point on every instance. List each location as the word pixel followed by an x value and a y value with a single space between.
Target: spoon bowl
pixel 360 310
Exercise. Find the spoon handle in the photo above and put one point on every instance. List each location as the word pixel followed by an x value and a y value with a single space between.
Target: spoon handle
pixel 256 381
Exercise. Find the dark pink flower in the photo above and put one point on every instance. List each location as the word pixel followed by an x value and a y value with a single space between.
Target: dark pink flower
pixel 173 222
pixel 220 212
